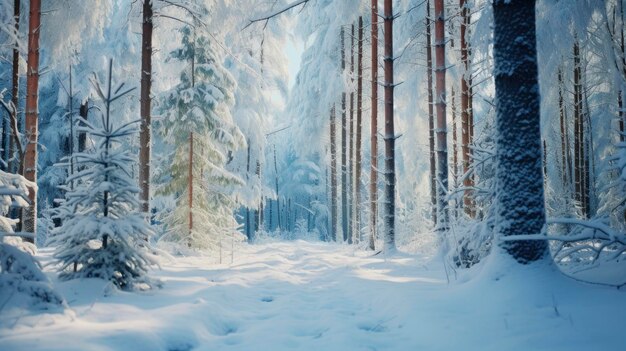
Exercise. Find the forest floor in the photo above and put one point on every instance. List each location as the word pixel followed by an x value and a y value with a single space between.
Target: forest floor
pixel 316 296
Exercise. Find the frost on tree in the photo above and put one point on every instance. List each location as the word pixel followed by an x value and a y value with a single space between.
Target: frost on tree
pixel 196 121
pixel 104 235
pixel 21 279
pixel 519 184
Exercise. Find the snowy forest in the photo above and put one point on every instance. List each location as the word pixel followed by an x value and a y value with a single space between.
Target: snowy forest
pixel 186 175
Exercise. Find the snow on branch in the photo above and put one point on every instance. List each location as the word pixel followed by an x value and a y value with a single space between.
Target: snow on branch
pixel 273 14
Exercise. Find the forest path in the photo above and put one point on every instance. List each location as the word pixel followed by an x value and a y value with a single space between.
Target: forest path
pixel 318 296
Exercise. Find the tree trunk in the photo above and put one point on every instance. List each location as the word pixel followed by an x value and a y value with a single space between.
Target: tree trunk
pixel 519 183
pixel 15 88
pixel 431 117
pixel 146 100
pixel 466 110
pixel 455 158
pixel 259 211
pixel 359 128
pixel 32 111
pixel 344 146
pixel 190 185
pixel 276 184
pixel 578 133
pixel 390 138
pixel 351 204
pixel 563 125
pixel 374 129
pixel 442 143
pixel 333 174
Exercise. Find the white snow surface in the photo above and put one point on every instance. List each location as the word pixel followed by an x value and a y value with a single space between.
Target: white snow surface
pixel 317 296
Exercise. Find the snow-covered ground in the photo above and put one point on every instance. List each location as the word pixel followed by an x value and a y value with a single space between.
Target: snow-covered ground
pixel 316 296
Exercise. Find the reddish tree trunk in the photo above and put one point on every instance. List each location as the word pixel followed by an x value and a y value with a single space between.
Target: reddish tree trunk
pixel 359 128
pixel 431 116
pixel 374 129
pixel 442 143
pixel 146 100
pixel 32 111
pixel 390 138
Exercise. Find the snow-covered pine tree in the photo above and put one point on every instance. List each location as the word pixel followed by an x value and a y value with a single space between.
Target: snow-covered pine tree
pixel 20 273
pixel 104 235
pixel 197 122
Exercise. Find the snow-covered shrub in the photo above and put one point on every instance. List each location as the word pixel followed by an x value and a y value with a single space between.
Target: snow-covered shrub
pixel 21 279
pixel 103 234
pixel 196 121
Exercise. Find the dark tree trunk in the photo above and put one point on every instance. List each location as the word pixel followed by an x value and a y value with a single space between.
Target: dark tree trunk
pixel 190 185
pixel 431 116
pixel 466 110
pixel 32 112
pixel 374 129
pixel 579 134
pixel 519 183
pixel 344 147
pixel 351 197
pixel 390 138
pixel 145 109
pixel 441 132
pixel 563 125
pixel 15 97
pixel 359 129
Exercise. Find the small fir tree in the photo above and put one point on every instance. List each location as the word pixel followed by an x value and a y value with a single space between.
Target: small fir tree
pixel 103 234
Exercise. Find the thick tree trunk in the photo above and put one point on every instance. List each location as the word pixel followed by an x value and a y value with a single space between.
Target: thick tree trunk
pixel 259 211
pixel 32 112
pixel 390 138
pixel 374 129
pixel 431 116
pixel 276 185
pixel 333 174
pixel 519 183
pixel 442 142
pixel 145 106
pixel 466 110
pixel 344 147
pixel 359 130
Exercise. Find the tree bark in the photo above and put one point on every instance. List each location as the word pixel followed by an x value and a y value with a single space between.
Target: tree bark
pixel 344 147
pixel 578 133
pixel 466 108
pixel 352 140
pixel 374 129
pixel 563 125
pixel 431 116
pixel 390 138
pixel 333 174
pixel 145 106
pixel 359 129
pixel 15 88
pixel 190 185
pixel 519 183
pixel 32 112
pixel 441 132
